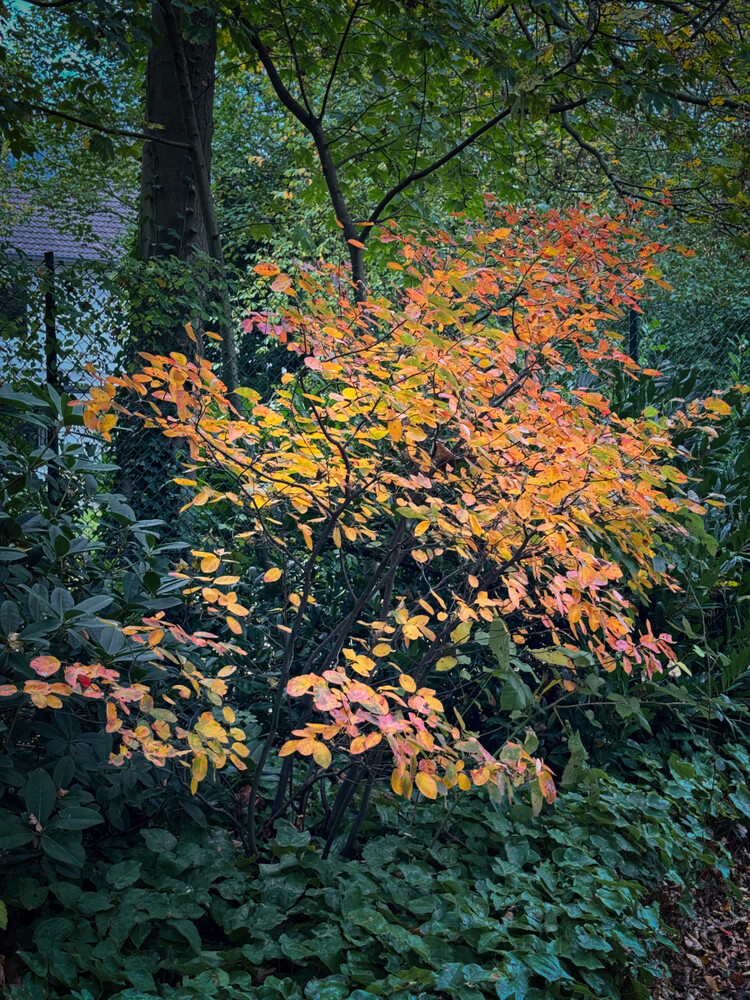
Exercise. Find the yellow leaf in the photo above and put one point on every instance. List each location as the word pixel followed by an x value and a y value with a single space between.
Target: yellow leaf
pixel 551 656
pixel 228 713
pixel 421 528
pixel 395 429
pixel 407 683
pixel 446 663
pixel 427 785
pixel 461 632
pixel 321 755
pixel 273 574
pixel 234 625
pixel 107 423
pixel 382 649
pixel 199 768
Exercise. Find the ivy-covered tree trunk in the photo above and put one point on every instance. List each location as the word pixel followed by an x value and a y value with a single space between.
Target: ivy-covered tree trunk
pixel 171 220
pixel 174 232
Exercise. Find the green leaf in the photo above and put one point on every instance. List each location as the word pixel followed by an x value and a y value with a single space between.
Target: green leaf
pixel 31 894
pixel 546 966
pixel 681 768
pixel 16 838
pixel 741 799
pixel 40 794
pixel 3 916
pixel 159 841
pixel 123 874
pixel 576 765
pixel 10 617
pixel 516 695
pixel 371 920
pixel 65 849
pixel 76 818
pixel 190 932
pixel 64 772
pixel 500 643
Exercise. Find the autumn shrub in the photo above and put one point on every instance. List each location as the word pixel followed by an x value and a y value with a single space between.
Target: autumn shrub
pixel 438 553
pixel 431 464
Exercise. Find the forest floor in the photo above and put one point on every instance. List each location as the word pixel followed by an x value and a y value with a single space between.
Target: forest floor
pixel 713 957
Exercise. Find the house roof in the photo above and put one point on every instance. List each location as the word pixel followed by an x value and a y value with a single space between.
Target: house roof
pixel 35 230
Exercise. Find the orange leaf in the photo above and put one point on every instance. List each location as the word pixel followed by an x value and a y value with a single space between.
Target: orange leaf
pixel 299 686
pixel 266 270
pixel 234 625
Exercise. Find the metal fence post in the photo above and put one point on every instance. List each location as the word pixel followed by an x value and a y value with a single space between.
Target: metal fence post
pixel 51 369
pixel 634 335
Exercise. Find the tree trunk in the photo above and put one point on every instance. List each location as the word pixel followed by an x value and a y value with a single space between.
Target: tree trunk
pixel 172 227
pixel 171 221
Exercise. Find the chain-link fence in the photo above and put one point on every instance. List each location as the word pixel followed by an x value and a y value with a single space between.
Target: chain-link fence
pixel 58 319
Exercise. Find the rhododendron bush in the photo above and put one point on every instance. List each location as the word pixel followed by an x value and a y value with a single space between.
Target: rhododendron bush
pixel 442 435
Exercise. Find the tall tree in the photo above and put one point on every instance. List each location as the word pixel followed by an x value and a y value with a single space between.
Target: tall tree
pixel 394 94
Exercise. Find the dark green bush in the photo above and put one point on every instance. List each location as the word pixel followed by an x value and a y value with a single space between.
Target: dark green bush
pixel 463 902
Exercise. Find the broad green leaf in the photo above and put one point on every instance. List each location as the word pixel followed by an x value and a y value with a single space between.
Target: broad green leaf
pixel 500 643
pixel 40 794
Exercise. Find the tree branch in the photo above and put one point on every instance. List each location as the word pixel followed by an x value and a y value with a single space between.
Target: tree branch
pixel 337 59
pixel 417 175
pixel 593 151
pixel 124 133
pixel 280 88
